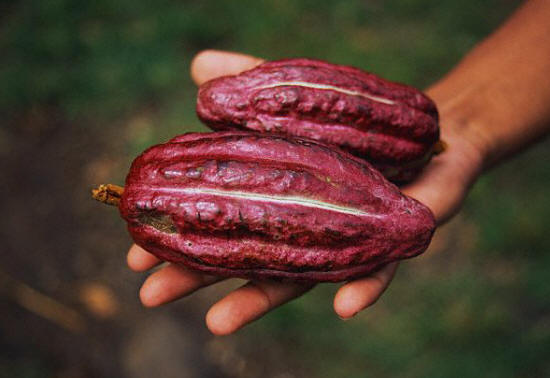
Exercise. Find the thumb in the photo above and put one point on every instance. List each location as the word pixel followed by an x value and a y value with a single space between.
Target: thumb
pixel 447 179
pixel 209 64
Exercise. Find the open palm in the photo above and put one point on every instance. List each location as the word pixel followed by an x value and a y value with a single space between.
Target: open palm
pixel 441 187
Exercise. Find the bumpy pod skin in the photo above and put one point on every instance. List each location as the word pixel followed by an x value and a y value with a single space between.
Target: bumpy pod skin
pixel 251 205
pixel 393 126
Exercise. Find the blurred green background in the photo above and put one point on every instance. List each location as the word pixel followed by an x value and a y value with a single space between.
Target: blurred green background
pixel 87 85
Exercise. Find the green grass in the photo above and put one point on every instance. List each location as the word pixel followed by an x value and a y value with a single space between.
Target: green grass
pixel 480 309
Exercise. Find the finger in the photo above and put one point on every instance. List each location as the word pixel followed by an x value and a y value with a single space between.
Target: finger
pixel 170 283
pixel 248 303
pixel 437 191
pixel 140 260
pixel 360 294
pixel 442 187
pixel 446 180
pixel 210 64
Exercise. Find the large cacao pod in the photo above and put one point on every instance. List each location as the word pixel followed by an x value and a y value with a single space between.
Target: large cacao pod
pixel 393 126
pixel 248 205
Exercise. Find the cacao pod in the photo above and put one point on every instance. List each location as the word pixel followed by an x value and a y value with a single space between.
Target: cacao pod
pixel 393 126
pixel 250 205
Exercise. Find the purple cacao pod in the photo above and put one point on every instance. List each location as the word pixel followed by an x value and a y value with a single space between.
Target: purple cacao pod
pixel 251 205
pixel 393 126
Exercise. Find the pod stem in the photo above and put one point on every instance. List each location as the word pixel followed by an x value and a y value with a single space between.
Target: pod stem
pixel 439 147
pixel 108 194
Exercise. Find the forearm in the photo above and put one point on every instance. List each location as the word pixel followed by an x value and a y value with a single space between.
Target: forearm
pixel 498 97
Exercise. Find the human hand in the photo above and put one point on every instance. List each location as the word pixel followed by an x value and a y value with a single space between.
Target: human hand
pixel 442 187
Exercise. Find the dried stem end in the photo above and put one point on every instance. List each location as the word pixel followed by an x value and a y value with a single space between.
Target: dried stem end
pixel 439 147
pixel 109 194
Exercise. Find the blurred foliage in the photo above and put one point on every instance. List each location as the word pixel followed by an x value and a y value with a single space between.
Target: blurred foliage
pixel 482 308
pixel 105 58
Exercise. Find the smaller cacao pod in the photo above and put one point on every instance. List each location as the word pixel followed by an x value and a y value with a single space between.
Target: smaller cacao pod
pixel 250 205
pixel 393 126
